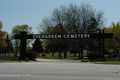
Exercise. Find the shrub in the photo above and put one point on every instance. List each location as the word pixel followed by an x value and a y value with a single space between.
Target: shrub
pixel 32 55
pixel 43 55
pixel 93 55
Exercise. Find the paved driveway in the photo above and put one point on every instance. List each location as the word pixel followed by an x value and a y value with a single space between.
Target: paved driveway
pixel 58 71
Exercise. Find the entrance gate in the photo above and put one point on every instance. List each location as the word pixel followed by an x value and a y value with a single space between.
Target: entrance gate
pixel 23 37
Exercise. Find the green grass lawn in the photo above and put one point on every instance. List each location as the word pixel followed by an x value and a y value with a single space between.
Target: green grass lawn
pixel 7 55
pixel 48 56
pixel 7 60
pixel 106 62
pixel 56 56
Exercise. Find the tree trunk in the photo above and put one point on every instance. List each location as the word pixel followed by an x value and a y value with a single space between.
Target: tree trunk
pixel 82 54
pixel 16 52
pixel 39 55
pixel 60 54
pixel 75 54
pixel 79 55
pixel 5 54
pixel 52 54
pixel 65 54
pixel 9 54
pixel 117 53
pixel 16 48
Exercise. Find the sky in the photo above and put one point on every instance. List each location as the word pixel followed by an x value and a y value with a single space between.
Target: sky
pixel 32 12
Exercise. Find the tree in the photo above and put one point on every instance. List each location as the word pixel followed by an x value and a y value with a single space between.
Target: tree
pixel 73 48
pixel 56 45
pixel 113 43
pixel 93 43
pixel 2 33
pixel 9 47
pixel 17 30
pixel 81 19
pixel 2 42
pixel 37 46
pixel 75 19
pixel 0 25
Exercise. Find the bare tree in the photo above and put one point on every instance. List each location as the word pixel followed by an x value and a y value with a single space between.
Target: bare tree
pixel 76 19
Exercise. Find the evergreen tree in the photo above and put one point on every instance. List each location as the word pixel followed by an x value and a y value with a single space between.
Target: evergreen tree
pixel 37 46
pixel 9 47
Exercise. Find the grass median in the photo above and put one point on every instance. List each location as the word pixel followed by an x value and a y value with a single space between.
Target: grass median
pixel 106 62
pixel 2 61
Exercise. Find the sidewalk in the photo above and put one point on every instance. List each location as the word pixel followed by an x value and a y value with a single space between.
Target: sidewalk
pixel 58 60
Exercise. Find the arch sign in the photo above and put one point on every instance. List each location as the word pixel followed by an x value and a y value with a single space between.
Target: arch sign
pixel 24 36
pixel 60 36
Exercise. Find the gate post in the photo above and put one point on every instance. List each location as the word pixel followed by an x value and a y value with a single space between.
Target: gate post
pixel 100 43
pixel 103 52
pixel 23 46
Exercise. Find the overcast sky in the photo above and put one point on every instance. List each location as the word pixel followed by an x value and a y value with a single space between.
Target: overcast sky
pixel 31 12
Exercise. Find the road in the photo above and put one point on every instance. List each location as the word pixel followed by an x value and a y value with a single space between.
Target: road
pixel 58 71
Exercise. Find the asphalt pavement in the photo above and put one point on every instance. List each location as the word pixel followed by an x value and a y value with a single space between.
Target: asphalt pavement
pixel 49 70
pixel 59 60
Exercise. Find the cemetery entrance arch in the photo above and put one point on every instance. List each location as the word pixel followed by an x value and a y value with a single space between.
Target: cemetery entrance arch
pixel 23 38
